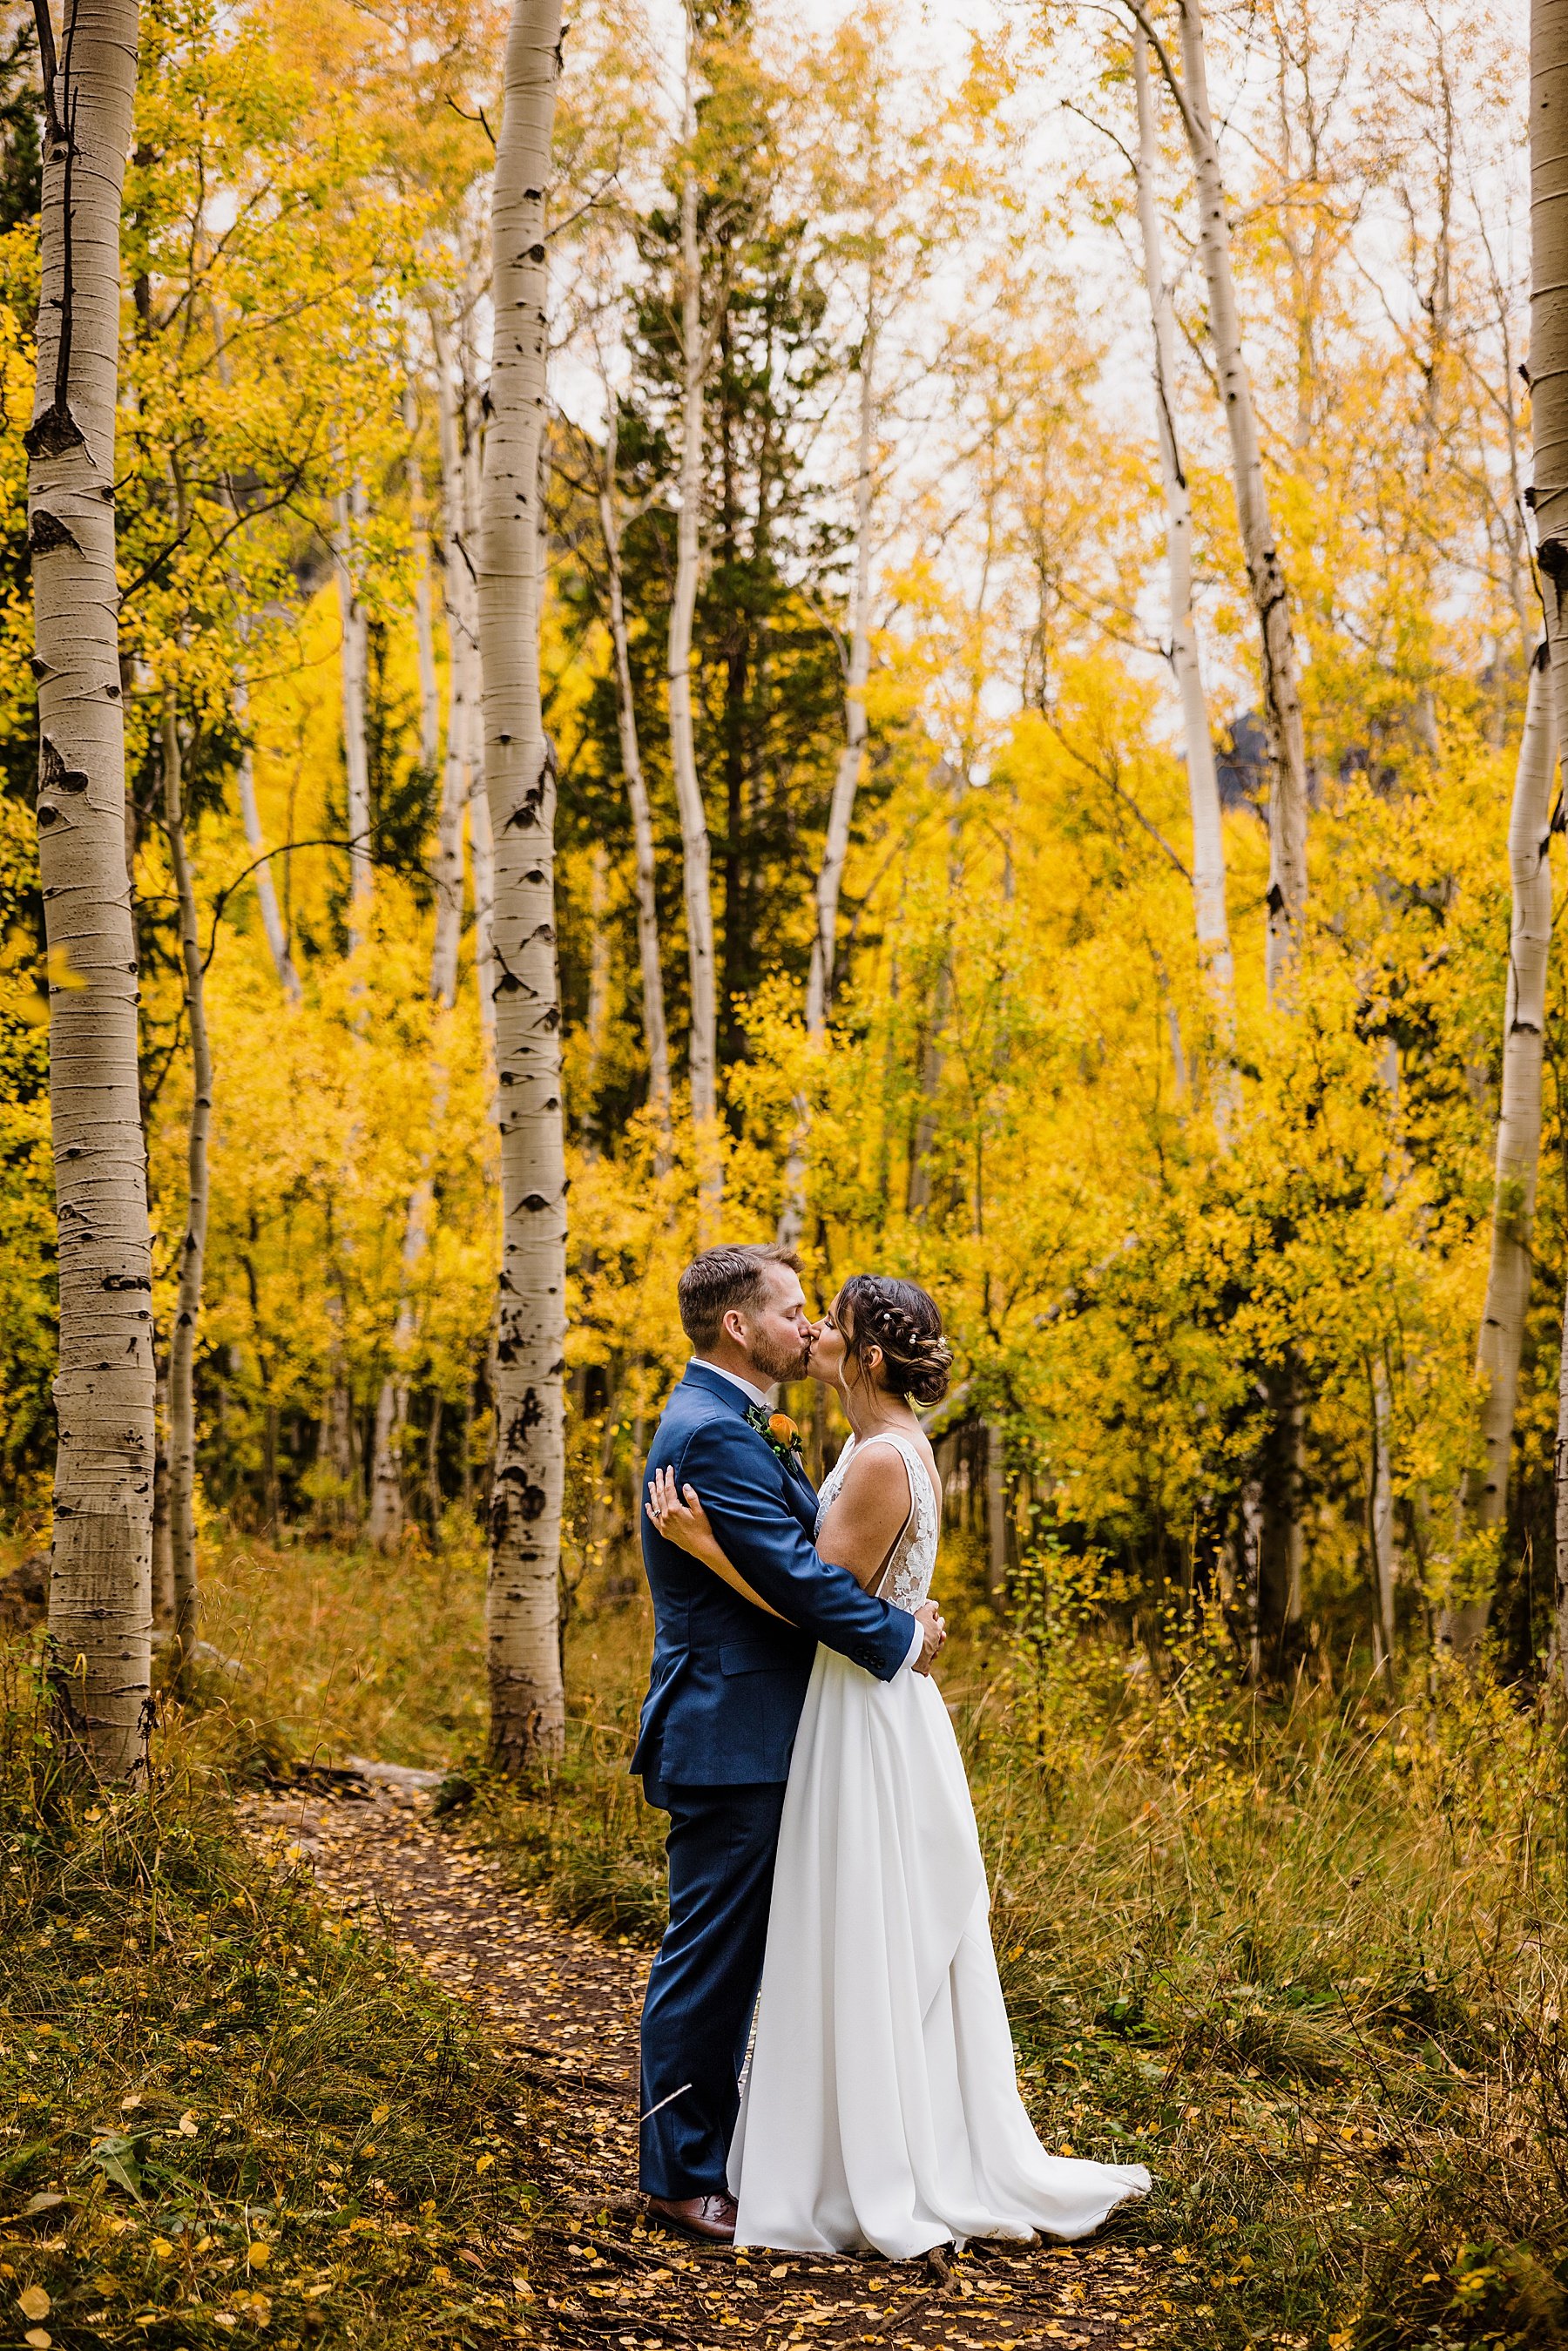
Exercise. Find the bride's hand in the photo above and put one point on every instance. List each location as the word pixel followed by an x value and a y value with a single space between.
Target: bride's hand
pixel 681 1521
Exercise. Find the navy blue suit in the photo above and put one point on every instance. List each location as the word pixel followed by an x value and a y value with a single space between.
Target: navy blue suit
pixel 719 1721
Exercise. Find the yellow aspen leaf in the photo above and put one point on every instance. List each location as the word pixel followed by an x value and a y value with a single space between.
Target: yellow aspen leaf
pixel 484 2163
pixel 258 2253
pixel 63 972
pixel 33 2302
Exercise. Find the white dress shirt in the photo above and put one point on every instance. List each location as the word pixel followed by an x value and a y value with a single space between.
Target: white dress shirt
pixel 763 1396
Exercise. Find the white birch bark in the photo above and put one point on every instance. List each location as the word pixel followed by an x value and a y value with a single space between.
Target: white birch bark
pixel 1209 914
pixel 355 667
pixel 1501 1339
pixel 1384 1560
pixel 423 621
pixel 459 765
pixel 703 1056
pixel 527 1703
pixel 162 1548
pixel 1549 418
pixel 482 848
pixel 1265 569
pixel 100 1587
pixel 250 815
pixel 255 840
pixel 846 779
pixel 193 1247
pixel 655 1030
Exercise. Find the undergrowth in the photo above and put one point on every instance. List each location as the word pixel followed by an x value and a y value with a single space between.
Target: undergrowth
pixel 227 2112
pixel 1306 1957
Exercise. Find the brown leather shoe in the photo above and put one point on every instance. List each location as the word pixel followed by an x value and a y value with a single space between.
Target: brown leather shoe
pixel 700 2216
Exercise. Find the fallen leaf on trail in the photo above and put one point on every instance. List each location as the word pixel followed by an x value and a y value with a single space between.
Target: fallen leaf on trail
pixel 46 2202
pixel 187 2126
pixel 380 2114
pixel 39 2338
pixel 33 2302
pixel 258 2254
pixel 162 2247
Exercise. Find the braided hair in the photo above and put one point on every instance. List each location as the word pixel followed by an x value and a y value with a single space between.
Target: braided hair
pixel 874 1310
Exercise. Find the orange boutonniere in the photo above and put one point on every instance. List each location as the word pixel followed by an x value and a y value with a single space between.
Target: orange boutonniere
pixel 778 1429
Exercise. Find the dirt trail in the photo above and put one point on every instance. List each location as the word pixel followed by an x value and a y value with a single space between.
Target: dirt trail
pixel 566 2003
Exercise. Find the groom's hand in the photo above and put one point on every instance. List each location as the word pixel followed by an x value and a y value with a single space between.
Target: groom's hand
pixel 931 1623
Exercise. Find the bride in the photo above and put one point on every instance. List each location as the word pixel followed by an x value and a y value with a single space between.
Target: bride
pixel 880 2105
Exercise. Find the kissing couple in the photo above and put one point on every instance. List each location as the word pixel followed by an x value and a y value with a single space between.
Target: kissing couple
pixel 827 2062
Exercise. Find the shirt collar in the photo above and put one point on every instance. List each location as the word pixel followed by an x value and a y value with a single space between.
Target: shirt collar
pixel 752 1394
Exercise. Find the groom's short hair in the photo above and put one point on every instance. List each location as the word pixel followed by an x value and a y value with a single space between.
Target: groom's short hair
pixel 724 1278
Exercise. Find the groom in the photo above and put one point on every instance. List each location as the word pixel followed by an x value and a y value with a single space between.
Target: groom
pixel 723 1702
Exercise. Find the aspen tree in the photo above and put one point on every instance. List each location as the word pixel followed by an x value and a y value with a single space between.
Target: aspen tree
pixel 355 665
pixel 99 1587
pixel 1549 417
pixel 656 1029
pixel 1265 569
pixel 527 1702
pixel 1501 1339
pixel 239 694
pixel 386 1516
pixel 194 1244
pixel 459 765
pixel 423 621
pixel 695 351
pixel 1202 784
pixel 255 840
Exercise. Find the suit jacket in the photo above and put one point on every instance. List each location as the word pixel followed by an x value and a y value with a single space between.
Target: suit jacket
pixel 727 1683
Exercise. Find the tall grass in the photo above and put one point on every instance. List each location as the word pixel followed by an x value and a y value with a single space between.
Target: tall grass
pixel 1307 1958
pixel 223 2110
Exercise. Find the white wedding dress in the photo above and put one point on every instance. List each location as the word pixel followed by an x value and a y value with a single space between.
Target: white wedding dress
pixel 880 2105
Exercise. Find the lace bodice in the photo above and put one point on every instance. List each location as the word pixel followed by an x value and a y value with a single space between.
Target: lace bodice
pixel 908 1578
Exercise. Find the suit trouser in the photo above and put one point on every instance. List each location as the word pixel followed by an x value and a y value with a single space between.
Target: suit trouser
pixel 696 2017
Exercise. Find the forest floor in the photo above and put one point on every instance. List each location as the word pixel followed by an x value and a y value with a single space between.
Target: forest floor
pixel 564 2002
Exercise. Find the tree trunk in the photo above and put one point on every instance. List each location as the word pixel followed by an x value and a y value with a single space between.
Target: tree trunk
pixel 387 1516
pixel 703 1050
pixel 1384 1562
pixel 528 1715
pixel 846 779
pixel 162 1548
pixel 255 840
pixel 99 1589
pixel 654 1028
pixel 351 507
pixel 462 708
pixel 996 1513
pixel 1559 1614
pixel 1202 784
pixel 192 1249
pixel 1519 1124
pixel 423 624
pixel 1265 571
pixel 1548 414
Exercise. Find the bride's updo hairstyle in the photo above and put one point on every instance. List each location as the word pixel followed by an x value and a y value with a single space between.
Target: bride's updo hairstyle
pixel 900 1319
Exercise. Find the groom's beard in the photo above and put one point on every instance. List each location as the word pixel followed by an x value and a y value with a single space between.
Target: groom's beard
pixel 780 1362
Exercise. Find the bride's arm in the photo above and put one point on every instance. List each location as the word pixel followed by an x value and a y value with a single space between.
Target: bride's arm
pixel 686 1523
